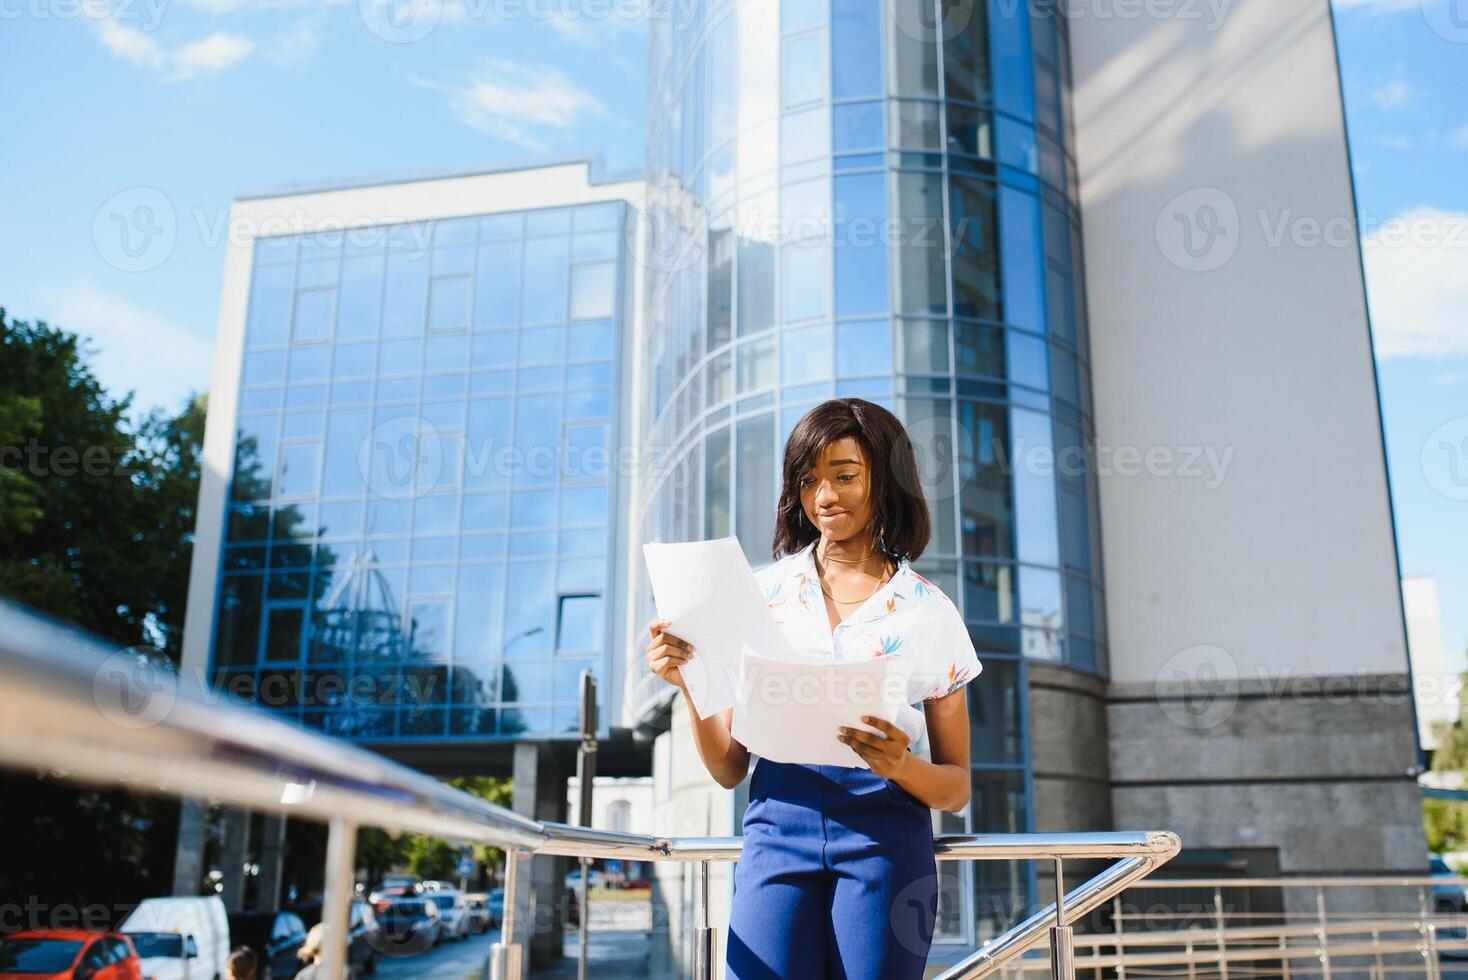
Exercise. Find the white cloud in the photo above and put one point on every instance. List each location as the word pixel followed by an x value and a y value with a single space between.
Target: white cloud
pixel 1394 91
pixel 516 102
pixel 1417 277
pixel 295 46
pixel 136 348
pixel 210 55
pixel 207 55
pixel 596 28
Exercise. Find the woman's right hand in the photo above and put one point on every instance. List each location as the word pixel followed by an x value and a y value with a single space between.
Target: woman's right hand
pixel 666 653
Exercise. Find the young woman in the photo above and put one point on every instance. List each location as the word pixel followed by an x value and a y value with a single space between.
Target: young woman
pixel 837 877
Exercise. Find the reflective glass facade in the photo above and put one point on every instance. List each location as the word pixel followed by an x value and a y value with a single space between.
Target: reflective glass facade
pixel 848 202
pixel 418 541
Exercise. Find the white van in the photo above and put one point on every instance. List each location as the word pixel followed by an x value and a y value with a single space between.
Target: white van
pixel 181 937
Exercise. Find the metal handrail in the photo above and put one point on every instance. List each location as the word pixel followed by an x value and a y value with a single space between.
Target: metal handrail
pixel 72 706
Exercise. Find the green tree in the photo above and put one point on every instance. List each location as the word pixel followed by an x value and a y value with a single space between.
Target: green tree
pixel 1446 821
pixel 96 514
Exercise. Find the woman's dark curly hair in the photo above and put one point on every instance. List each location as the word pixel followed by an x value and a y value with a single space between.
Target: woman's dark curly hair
pixel 900 516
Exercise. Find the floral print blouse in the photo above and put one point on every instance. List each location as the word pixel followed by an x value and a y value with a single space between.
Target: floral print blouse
pixel 908 620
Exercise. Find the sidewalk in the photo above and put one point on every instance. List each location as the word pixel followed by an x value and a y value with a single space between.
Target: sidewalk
pixel 611 954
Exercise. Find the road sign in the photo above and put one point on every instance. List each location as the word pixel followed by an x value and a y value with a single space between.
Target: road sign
pixel 466 867
pixel 614 867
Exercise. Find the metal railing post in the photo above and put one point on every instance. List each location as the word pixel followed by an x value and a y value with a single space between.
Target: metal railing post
pixel 1322 931
pixel 341 863
pixel 1425 930
pixel 1062 936
pixel 704 942
pixel 504 956
pixel 1218 933
pixel 1120 947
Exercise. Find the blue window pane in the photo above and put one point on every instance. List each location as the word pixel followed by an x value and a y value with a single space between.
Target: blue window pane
pixel 805 135
pixel 499 227
pixel 804 67
pixel 1016 144
pixel 587 453
pixel 538 378
pixel 1023 264
pixel 296 425
pixel 533 508
pixel 341 518
pixel 863 348
pixel 582 575
pixel 359 303
pixel 529 609
pixel 588 403
pixel 805 212
pixel 308 364
pixel 346 434
pixel 601 245
pixel 401 357
pixel 405 303
pixel 431 580
pixel 588 340
pixel 975 248
pixel 448 304
pixel 484 511
pixel 435 513
pixel 299 469
pixel 532 544
pixel 316 274
pixel 805 355
pixel 797 15
pixel 593 291
pixel 266 367
pixel 428 631
pixel 493 350
pixel 353 361
pixel 455 231
pixel 445 354
pixel 596 217
pixel 547 263
pixel 526 681
pixel 580 625
pixel 921 274
pixel 584 505
pixel 315 309
pixel 584 544
pixel 542 345
pixel 556 221
pixel 587 374
pixel 861 245
pixel 280 248
pixel 537 432
pixel 1009 33
pixel 1028 359
pixel 254 466
pixel 1037 533
pixel 497 286
pixel 487 430
pixel 857 126
pixel 271 292
pixel 856 42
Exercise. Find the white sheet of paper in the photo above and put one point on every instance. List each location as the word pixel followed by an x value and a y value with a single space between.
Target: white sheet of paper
pixel 709 592
pixel 789 709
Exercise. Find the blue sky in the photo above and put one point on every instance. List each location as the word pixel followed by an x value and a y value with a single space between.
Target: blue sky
pixel 189 101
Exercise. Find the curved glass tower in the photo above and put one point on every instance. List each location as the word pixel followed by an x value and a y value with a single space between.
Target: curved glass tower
pixel 852 198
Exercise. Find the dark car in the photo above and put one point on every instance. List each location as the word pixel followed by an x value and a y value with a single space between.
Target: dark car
pixel 362 933
pixel 276 938
pixel 68 954
pixel 406 926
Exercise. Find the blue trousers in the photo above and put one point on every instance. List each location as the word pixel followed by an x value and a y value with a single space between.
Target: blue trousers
pixel 837 877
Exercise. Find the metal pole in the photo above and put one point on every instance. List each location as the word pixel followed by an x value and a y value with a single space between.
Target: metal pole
pixel 585 777
pixel 504 956
pixel 1062 937
pixel 1323 931
pixel 1120 949
pixel 341 851
pixel 703 934
pixel 1219 937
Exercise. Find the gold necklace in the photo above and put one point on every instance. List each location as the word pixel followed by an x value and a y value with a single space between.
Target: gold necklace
pixel 852 602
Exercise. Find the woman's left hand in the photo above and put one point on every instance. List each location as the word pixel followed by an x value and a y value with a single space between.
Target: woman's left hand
pixel 886 756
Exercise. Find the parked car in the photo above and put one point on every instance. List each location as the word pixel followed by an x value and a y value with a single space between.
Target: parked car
pixel 362 933
pixel 496 906
pixel 407 925
pixel 1449 895
pixel 452 910
pixel 276 938
pixel 433 885
pixel 200 920
pixel 594 879
pixel 68 954
pixel 479 917
pixel 394 885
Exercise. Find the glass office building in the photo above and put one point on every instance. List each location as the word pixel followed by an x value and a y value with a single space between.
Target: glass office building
pixel 848 201
pixel 417 543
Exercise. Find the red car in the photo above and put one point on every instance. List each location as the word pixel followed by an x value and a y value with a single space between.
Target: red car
pixel 68 954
